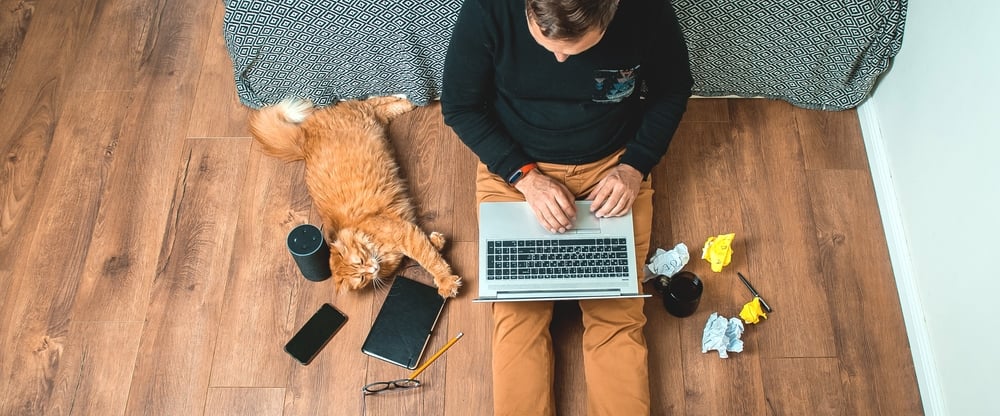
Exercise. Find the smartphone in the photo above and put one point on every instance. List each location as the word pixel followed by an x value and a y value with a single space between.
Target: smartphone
pixel 317 331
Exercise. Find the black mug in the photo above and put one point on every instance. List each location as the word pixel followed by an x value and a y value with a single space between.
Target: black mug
pixel 310 251
pixel 681 293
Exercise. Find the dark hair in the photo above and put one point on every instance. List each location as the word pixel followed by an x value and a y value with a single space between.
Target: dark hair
pixel 570 19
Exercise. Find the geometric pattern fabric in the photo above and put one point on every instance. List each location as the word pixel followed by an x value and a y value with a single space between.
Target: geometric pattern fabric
pixel 819 54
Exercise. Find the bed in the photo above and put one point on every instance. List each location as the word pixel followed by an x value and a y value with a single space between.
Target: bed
pixel 814 54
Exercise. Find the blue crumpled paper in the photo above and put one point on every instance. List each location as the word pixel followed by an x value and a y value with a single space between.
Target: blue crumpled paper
pixel 666 262
pixel 723 335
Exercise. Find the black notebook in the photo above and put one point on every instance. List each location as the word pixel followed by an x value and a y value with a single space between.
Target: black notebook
pixel 404 324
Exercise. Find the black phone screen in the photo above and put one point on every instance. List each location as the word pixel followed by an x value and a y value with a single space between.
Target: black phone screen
pixel 311 338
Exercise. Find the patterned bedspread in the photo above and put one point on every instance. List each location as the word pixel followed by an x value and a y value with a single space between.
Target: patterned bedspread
pixel 812 53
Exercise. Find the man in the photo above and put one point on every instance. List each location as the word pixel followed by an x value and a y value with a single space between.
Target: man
pixel 547 94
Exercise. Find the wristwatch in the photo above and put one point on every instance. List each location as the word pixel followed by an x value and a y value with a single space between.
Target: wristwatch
pixel 518 174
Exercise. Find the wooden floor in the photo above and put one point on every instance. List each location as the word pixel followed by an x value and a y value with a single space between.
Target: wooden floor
pixel 143 267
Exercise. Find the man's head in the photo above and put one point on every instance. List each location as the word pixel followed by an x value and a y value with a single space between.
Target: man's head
pixel 569 27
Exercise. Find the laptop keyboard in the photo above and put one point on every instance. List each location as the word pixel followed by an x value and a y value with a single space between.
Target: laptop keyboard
pixel 557 258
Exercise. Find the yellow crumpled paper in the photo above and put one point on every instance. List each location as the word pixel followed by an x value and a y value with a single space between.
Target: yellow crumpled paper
pixel 718 251
pixel 752 311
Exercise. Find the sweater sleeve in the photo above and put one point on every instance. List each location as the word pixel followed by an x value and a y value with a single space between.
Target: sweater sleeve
pixel 667 75
pixel 468 88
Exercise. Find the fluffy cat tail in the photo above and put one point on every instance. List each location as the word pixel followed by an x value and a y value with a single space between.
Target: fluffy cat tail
pixel 277 128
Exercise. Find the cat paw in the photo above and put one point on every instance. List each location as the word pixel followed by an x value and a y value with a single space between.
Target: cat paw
pixel 437 240
pixel 448 288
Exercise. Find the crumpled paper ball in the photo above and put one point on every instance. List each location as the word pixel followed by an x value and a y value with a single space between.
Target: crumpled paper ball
pixel 753 311
pixel 722 335
pixel 667 262
pixel 718 251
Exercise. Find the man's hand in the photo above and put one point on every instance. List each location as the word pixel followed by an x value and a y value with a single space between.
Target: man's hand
pixel 614 194
pixel 551 201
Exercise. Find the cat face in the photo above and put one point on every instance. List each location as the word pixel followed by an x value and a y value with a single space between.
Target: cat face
pixel 354 259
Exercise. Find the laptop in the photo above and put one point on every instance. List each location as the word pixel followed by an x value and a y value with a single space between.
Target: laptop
pixel 519 260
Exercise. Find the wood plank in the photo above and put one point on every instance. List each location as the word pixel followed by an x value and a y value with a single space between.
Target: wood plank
pixel 779 237
pixel 125 40
pixel 32 127
pixel 468 365
pixel 46 265
pixel 702 110
pixel 122 261
pixel 33 95
pixel 96 361
pixel 422 148
pixel 429 398
pixel 217 109
pixel 7 281
pixel 331 384
pixel 878 374
pixel 245 401
pixel 464 164
pixel 15 18
pixel 701 170
pixel 49 51
pixel 662 234
pixel 831 139
pixel 185 303
pixel 666 374
pixel 717 386
pixel 804 386
pixel 258 318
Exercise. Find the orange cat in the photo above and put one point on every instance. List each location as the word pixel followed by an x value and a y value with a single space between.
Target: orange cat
pixel 353 178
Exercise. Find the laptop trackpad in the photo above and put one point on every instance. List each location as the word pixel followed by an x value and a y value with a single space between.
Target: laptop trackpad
pixel 586 223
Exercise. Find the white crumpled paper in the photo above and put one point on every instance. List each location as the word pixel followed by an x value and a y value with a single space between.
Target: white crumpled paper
pixel 723 335
pixel 666 263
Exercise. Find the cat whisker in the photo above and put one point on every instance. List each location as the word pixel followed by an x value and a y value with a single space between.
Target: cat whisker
pixel 380 284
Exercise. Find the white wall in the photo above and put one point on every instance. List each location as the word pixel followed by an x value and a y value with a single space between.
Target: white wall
pixel 936 120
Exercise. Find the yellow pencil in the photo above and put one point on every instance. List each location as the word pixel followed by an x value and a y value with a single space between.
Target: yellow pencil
pixel 434 357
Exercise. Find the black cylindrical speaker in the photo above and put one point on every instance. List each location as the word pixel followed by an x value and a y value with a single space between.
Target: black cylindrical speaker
pixel 310 252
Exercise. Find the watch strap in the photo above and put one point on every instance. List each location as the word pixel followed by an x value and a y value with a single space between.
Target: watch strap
pixel 518 174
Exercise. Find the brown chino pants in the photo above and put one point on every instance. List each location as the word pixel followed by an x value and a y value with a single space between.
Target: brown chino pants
pixel 614 347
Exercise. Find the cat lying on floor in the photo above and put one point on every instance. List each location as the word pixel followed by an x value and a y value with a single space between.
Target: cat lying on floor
pixel 353 178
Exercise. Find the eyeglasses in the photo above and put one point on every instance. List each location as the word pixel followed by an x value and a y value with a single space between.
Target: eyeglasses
pixel 381 386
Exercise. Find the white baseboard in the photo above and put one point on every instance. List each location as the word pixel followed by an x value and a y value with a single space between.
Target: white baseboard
pixel 902 266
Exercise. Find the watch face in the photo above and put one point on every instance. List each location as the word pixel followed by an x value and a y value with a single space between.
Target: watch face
pixel 514 177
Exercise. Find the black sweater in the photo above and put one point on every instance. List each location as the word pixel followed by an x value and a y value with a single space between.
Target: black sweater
pixel 511 102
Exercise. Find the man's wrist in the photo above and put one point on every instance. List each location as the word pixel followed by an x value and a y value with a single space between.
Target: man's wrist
pixel 519 174
pixel 634 170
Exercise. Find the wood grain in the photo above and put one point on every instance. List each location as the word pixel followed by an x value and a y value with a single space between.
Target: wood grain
pixel 96 361
pixel 804 386
pixel 423 149
pixel 36 316
pixel 701 171
pixel 31 128
pixel 217 111
pixel 468 375
pixel 14 21
pixel 178 339
pixel 870 340
pixel 779 240
pixel 245 401
pixel 826 139
pixel 124 259
pixel 258 316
